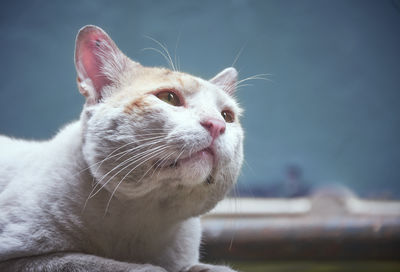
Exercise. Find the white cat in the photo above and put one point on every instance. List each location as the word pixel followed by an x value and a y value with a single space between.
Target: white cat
pixel 122 188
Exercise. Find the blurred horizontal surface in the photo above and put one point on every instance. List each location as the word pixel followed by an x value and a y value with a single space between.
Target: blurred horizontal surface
pixel 345 266
pixel 323 227
pixel 318 203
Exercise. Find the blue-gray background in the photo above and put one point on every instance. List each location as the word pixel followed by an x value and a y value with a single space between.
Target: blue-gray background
pixel 331 108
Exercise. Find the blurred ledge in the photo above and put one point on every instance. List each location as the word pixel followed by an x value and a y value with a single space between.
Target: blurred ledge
pixel 252 207
pixel 371 207
pixel 324 226
pixel 312 266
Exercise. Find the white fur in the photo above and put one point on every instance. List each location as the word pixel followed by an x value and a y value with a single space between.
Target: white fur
pixel 76 203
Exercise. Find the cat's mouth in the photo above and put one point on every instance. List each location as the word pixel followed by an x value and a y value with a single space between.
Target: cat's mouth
pixel 203 154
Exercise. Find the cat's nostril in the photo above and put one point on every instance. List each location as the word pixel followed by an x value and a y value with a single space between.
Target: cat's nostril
pixel 214 126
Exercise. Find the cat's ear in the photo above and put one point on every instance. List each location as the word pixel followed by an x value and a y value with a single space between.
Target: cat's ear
pixel 98 62
pixel 227 80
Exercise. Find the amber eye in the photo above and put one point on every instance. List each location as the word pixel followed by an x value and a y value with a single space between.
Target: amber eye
pixel 169 97
pixel 228 116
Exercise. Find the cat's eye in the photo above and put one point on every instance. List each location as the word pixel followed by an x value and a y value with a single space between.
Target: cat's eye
pixel 228 116
pixel 169 97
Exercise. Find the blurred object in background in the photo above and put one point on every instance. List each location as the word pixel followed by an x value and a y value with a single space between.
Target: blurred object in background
pixel 292 185
pixel 332 225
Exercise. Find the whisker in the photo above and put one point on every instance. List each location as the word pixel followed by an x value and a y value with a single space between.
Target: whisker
pixel 150 169
pixel 167 56
pixel 240 84
pixel 159 140
pixel 109 156
pixel 123 153
pixel 130 161
pixel 162 162
pixel 176 159
pixel 160 52
pixel 180 154
pixel 126 151
pixel 238 55
pixel 119 183
pixel 176 48
pixel 158 164
pixel 127 161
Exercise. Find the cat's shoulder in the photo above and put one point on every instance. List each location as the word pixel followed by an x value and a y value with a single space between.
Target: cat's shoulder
pixel 9 145
pixel 6 140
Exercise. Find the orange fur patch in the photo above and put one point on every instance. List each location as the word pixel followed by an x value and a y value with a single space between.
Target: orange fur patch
pixel 181 82
pixel 81 90
pixel 138 104
pixel 167 72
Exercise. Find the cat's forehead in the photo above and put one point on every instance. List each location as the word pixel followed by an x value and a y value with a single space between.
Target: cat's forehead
pixel 152 79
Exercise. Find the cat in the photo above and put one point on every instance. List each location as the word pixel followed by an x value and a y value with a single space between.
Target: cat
pixel 122 188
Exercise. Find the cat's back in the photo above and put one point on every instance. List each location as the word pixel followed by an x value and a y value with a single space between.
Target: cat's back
pixel 11 146
pixel 14 156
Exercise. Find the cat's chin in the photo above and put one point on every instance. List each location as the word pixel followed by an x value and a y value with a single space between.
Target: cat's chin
pixel 191 170
pixel 204 156
pixel 201 156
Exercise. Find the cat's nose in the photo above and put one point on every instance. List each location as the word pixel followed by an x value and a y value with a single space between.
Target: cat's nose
pixel 215 126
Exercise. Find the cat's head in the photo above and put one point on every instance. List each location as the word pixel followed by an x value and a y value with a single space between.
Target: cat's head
pixel 150 130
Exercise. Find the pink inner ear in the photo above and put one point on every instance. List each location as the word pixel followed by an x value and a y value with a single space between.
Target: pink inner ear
pixel 88 52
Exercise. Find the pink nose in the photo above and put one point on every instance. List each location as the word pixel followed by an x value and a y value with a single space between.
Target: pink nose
pixel 214 126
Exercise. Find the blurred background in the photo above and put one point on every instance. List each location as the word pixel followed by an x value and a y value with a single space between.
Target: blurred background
pixel 327 117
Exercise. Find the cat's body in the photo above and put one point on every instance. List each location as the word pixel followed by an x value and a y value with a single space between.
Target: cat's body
pixel 53 219
pixel 122 188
